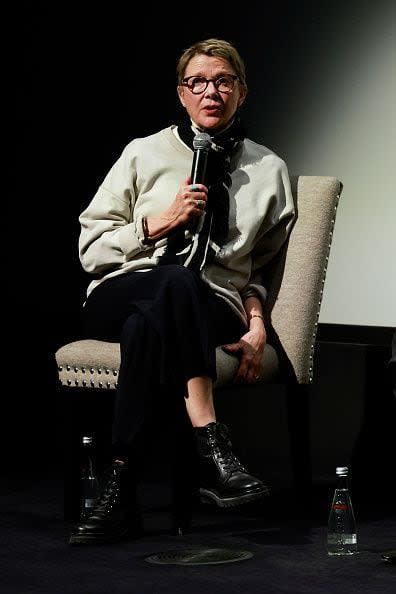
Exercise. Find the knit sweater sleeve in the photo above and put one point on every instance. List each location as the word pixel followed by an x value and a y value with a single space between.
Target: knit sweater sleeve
pixel 110 234
pixel 273 233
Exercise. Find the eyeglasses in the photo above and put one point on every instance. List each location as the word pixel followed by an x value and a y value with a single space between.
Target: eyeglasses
pixel 199 84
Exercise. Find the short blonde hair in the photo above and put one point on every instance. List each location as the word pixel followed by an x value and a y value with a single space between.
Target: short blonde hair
pixel 217 48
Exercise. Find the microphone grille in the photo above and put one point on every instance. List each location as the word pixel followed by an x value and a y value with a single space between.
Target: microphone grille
pixel 202 141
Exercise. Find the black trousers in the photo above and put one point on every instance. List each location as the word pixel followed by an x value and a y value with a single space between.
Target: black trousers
pixel 168 323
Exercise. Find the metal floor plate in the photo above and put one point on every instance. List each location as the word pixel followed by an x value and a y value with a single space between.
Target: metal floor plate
pixel 204 556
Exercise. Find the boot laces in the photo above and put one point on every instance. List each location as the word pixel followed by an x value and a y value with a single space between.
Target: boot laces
pixel 108 497
pixel 226 457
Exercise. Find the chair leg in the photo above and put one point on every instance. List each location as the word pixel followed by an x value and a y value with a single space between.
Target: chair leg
pixel 71 459
pixel 184 494
pixel 298 408
pixel 184 480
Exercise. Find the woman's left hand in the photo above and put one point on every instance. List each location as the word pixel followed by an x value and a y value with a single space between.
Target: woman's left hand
pixel 250 348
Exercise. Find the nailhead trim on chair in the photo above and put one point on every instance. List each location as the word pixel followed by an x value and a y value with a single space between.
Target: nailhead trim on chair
pixel 319 304
pixel 88 364
pixel 75 377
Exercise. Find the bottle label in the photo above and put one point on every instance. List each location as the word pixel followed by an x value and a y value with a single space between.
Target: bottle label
pixel 340 506
pixel 340 538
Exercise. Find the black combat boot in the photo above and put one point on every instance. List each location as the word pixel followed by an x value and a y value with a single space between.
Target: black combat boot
pixel 115 514
pixel 223 479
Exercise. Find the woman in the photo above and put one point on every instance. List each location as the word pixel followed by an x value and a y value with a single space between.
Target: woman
pixel 176 268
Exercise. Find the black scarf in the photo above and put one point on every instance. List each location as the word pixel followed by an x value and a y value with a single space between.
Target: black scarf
pixel 195 249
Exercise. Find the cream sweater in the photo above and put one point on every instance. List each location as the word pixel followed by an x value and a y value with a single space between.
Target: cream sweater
pixel 145 180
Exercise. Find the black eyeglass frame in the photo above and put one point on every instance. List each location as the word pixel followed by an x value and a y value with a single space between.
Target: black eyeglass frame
pixel 234 78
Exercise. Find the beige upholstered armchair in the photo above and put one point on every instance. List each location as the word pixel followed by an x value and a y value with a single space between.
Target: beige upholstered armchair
pixel 295 281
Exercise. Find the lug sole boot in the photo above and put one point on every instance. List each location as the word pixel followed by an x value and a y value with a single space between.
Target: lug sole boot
pixel 223 479
pixel 115 514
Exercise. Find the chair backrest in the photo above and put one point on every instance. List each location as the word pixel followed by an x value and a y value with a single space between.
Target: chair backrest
pixel 298 277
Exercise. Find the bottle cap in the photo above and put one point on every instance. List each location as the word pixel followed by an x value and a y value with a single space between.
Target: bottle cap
pixel 87 439
pixel 342 470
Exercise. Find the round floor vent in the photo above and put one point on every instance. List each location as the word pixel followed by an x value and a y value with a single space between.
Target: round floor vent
pixel 199 557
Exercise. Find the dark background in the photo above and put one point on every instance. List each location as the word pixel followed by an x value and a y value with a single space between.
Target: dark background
pixel 87 80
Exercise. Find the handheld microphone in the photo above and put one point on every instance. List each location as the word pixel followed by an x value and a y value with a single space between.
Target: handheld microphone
pixel 202 144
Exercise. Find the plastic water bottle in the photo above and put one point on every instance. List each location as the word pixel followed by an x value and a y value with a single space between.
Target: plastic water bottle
pixel 341 533
pixel 89 484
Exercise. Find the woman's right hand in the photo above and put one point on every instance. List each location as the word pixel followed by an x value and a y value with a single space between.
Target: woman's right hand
pixel 189 204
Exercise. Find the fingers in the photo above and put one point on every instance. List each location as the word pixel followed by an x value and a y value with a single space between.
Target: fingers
pixel 247 376
pixel 250 363
pixel 249 370
pixel 189 187
pixel 232 348
pixel 198 197
pixel 191 199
